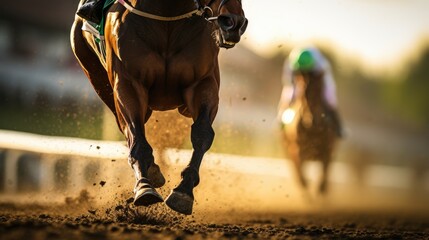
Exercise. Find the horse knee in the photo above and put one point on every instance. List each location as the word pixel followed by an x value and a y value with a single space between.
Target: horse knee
pixel 202 135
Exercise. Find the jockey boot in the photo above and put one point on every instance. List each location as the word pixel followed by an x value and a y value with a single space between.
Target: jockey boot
pixel 91 10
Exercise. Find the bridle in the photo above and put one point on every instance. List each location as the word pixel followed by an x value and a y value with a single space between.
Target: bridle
pixel 208 14
pixel 207 9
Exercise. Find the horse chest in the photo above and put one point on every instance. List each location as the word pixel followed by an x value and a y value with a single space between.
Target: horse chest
pixel 164 77
pixel 159 64
pixel 163 63
pixel 154 69
pixel 306 126
pixel 166 55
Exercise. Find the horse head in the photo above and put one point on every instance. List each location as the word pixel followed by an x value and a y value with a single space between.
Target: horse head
pixel 230 19
pixel 309 90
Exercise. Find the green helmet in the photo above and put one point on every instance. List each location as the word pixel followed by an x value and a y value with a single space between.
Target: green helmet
pixel 304 60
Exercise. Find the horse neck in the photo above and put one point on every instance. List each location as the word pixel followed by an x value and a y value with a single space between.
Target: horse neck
pixel 166 8
pixel 310 97
pixel 316 101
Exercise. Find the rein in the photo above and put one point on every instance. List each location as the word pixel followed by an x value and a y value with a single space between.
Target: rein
pixel 199 11
pixel 156 17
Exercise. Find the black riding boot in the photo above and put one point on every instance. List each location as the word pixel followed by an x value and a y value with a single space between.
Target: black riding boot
pixel 91 10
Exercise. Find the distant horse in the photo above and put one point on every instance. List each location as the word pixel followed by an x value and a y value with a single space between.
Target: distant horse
pixel 307 110
pixel 161 55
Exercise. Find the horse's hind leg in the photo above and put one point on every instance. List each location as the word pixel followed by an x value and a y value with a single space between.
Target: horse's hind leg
pixel 91 65
pixel 181 198
pixel 294 152
pixel 141 160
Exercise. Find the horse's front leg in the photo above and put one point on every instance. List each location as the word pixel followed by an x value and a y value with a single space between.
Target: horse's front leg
pixel 147 173
pixel 294 154
pixel 133 109
pixel 326 160
pixel 203 107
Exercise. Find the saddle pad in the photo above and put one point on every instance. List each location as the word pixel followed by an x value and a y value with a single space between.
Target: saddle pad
pixel 97 30
pixel 107 5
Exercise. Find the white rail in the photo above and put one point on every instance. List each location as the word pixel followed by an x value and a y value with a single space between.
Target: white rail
pixel 18 143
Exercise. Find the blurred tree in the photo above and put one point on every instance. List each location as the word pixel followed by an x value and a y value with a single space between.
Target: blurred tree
pixel 409 96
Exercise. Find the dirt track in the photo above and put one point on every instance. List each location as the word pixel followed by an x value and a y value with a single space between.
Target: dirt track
pixel 238 207
pixel 254 203
pixel 77 219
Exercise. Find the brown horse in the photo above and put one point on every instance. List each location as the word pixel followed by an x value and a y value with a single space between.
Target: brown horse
pixel 311 125
pixel 161 55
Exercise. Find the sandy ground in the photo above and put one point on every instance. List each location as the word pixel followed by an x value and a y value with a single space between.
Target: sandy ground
pixel 79 218
pixel 259 202
pixel 227 206
pixel 19 222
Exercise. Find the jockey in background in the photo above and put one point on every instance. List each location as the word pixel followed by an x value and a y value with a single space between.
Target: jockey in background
pixel 308 59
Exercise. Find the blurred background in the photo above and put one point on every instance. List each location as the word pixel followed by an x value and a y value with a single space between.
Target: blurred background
pixel 379 52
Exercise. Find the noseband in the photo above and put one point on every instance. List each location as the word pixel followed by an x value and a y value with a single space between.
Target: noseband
pixel 209 9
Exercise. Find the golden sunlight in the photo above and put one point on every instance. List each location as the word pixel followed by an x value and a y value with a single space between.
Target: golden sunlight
pixel 356 28
pixel 288 116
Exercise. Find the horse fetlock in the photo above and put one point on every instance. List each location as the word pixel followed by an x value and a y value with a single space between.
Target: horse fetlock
pixel 142 151
pixel 140 160
pixel 155 176
pixel 140 167
pixel 191 176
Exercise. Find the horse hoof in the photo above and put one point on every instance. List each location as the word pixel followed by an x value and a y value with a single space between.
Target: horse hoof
pixel 180 202
pixel 155 176
pixel 146 197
